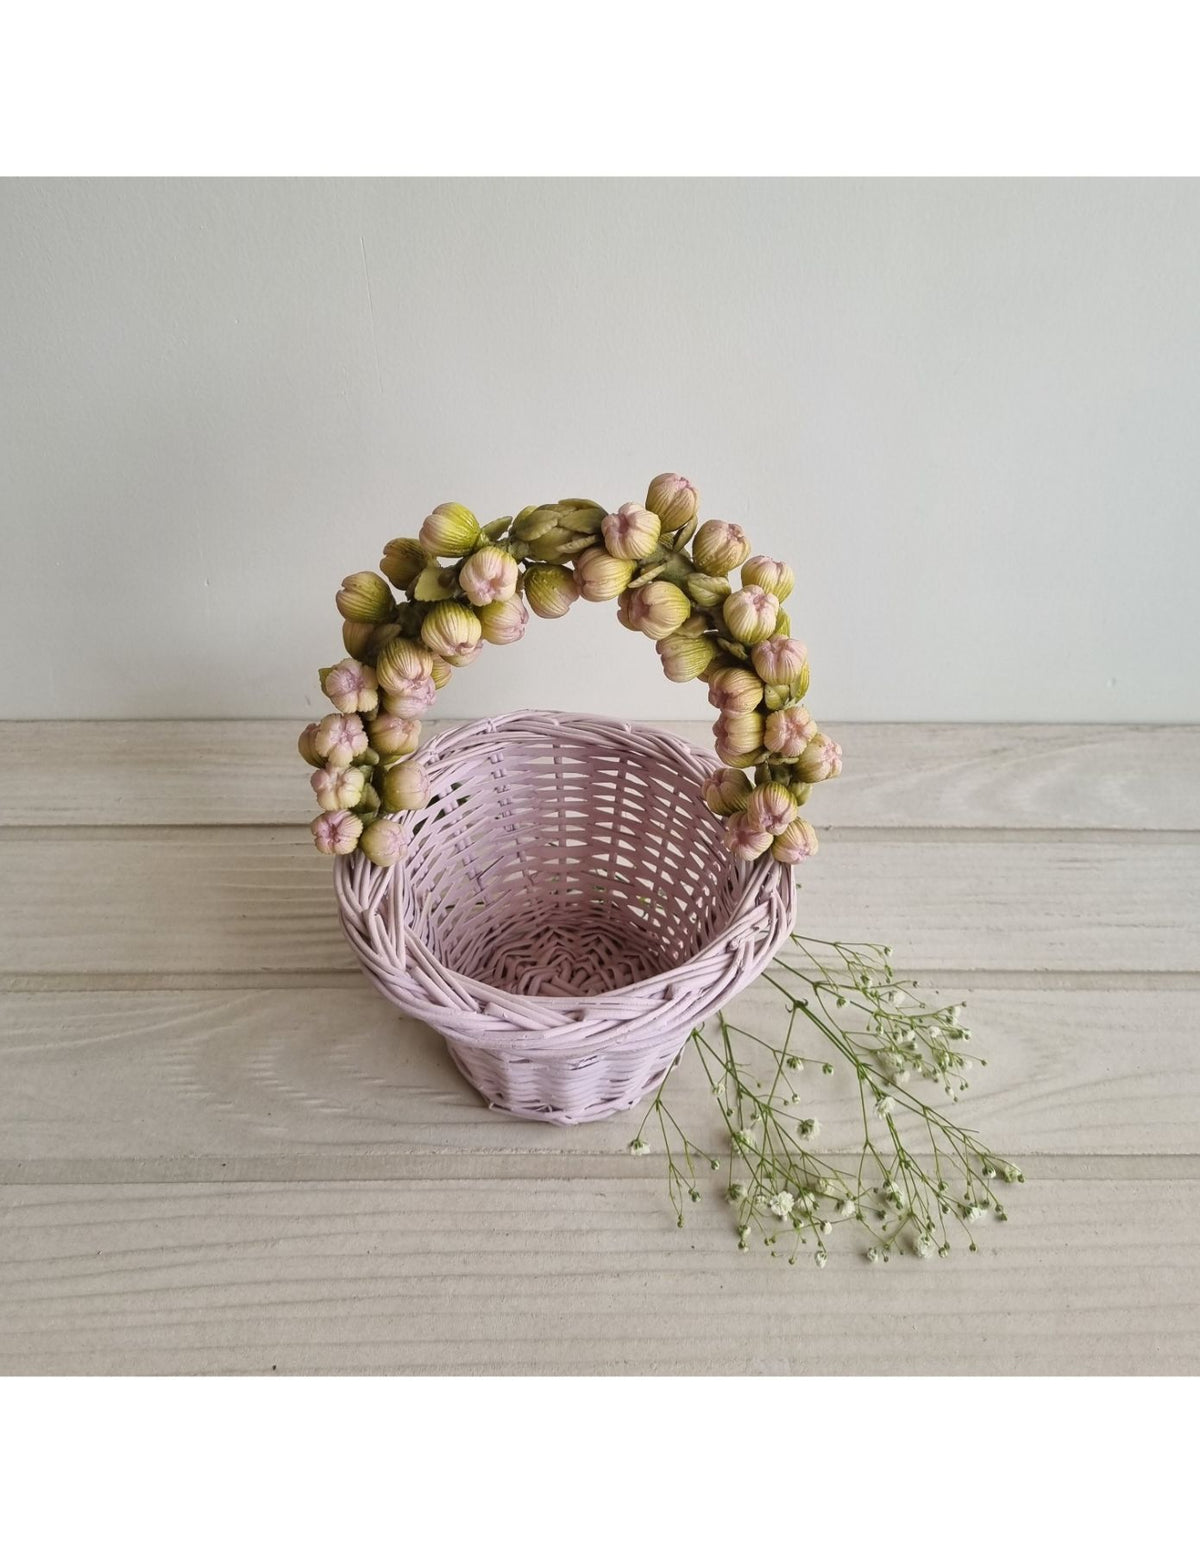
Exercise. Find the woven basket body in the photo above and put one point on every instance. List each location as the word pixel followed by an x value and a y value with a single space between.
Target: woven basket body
pixel 566 914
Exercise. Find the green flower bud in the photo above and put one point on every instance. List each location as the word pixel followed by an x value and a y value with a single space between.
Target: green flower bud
pixel 504 622
pixel 305 745
pixel 734 690
pixel 601 576
pixel 795 843
pixel 393 736
pixel 453 632
pixel 772 576
pixel 707 591
pixel 383 843
pixel 750 615
pixel 364 596
pixel 685 657
pixel 675 500
pixel 401 663
pixel 822 759
pixel 727 791
pixel 772 808
pixel 739 738
pixel 719 547
pixel 449 530
pixel 403 562
pixel 659 609
pixel 405 786
pixel 357 636
pixel 550 590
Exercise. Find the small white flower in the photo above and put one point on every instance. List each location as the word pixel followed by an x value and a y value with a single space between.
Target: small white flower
pixel 781 1205
pixel 846 1208
pixel 895 997
pixel 743 1139
pixel 808 1128
pixel 885 1105
pixel 639 1146
pixel 924 1247
pixel 820 1256
pixel 873 1254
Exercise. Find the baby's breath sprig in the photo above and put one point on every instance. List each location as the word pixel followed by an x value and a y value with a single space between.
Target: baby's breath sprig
pixel 919 1180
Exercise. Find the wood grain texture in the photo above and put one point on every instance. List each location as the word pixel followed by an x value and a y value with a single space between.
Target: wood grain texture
pixel 291 1084
pixel 221 1152
pixel 484 1276
pixel 262 900
pixel 900 775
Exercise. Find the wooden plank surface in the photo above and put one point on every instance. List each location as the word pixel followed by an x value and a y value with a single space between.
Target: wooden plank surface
pixel 287 1083
pixel 483 1275
pixel 261 899
pixel 903 775
pixel 220 1151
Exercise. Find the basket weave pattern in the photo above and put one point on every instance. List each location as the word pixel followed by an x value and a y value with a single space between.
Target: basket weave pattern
pixel 566 914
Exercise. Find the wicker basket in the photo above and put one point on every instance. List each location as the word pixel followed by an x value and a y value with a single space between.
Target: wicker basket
pixel 566 914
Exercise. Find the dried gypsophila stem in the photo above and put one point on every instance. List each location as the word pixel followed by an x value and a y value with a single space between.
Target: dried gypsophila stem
pixel 464 582
pixel 906 1197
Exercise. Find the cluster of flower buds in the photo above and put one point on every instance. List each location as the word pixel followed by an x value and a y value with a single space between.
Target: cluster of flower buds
pixel 465 584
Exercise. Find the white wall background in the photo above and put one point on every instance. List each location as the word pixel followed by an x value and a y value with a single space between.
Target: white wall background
pixel 968 413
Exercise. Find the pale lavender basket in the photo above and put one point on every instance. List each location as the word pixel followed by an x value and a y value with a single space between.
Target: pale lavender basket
pixel 566 914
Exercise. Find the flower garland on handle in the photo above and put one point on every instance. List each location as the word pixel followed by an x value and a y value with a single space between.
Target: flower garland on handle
pixel 465 585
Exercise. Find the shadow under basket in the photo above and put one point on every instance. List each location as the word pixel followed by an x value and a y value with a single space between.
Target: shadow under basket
pixel 566 913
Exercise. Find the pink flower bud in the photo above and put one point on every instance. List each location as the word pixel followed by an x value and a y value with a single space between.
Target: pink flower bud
pixel 684 657
pixel 820 760
pixel 719 547
pixel 351 686
pixel 788 731
pixel 307 748
pixel 734 690
pixel 772 808
pixel 403 562
pixel 743 838
pixel 364 596
pixel 339 739
pixel 489 575
pixel 405 786
pixel 674 499
pixel 750 615
pixel 727 791
pixel 780 660
pixel 453 632
pixel 601 576
pixel 631 533
pixel 336 834
pixel 392 735
pixel 383 843
pixel 449 530
pixel 415 700
pixel 550 590
pixel 503 622
pixel 795 843
pixel 659 609
pixel 339 787
pixel 774 576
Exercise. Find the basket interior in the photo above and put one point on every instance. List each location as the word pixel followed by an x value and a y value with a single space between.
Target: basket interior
pixel 560 865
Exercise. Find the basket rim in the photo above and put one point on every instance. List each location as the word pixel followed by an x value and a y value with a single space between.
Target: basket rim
pixel 763 878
